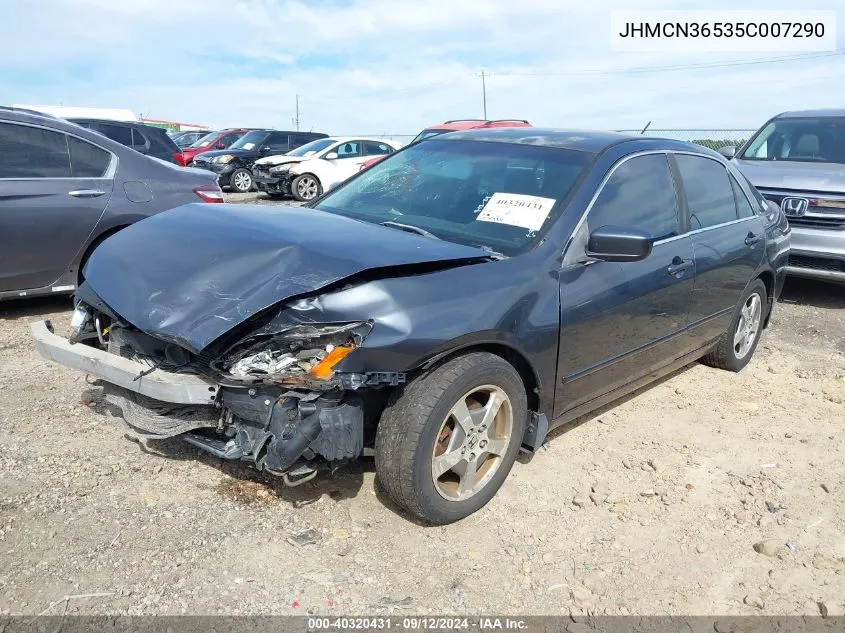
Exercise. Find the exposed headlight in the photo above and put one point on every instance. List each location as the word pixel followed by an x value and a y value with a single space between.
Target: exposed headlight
pixel 303 350
pixel 80 321
pixel 225 158
pixel 282 168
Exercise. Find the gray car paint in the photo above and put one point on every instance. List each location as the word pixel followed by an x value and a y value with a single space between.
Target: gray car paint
pixel 809 180
pixel 46 234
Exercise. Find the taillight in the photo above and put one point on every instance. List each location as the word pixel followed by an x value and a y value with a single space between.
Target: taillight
pixel 209 193
pixel 179 158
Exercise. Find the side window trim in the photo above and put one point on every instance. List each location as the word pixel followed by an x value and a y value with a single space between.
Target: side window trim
pixel 566 258
pixel 728 171
pixel 110 172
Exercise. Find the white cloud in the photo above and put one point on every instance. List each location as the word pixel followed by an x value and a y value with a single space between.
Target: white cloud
pixel 384 66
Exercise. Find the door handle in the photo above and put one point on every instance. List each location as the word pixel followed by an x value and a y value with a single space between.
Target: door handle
pixel 751 239
pixel 86 193
pixel 679 266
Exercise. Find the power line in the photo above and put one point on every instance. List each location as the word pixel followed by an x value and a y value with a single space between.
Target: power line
pixel 738 62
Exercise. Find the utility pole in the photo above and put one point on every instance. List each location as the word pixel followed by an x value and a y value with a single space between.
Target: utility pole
pixel 296 120
pixel 484 93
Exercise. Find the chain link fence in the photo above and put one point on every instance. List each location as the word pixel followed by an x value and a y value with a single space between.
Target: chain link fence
pixel 714 139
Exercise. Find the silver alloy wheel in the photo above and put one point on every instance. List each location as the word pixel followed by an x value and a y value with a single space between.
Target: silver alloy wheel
pixel 750 317
pixel 307 187
pixel 242 181
pixel 472 442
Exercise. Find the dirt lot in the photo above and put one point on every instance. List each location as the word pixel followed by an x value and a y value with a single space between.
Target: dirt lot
pixel 651 507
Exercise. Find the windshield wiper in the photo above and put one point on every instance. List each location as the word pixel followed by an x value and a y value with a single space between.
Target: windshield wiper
pixel 493 253
pixel 410 228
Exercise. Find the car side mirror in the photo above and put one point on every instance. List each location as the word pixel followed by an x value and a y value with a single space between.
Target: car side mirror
pixel 619 244
pixel 331 156
pixel 728 151
pixel 220 146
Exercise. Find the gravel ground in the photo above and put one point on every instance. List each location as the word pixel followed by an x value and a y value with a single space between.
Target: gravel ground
pixel 710 493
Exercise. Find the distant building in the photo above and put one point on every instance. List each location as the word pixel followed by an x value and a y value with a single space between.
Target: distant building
pixel 173 126
pixel 111 114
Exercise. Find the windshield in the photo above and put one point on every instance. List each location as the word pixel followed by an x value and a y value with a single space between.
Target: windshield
pixel 312 148
pixel 500 196
pixel 811 139
pixel 206 140
pixel 428 134
pixel 250 140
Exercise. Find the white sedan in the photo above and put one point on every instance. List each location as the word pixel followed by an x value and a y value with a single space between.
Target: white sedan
pixel 318 166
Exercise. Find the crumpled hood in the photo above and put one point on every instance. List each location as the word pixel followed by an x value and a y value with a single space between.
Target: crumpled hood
pixel 193 273
pixel 281 159
pixel 768 174
pixel 240 153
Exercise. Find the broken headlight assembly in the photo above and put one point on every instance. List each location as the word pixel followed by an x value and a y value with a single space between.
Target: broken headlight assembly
pixel 85 324
pixel 294 354
pixel 278 169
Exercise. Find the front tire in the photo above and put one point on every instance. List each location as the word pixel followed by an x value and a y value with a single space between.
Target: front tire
pixel 737 345
pixel 446 444
pixel 306 187
pixel 241 181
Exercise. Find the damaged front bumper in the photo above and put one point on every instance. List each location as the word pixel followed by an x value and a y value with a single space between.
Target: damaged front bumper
pixel 124 372
pixel 272 182
pixel 272 427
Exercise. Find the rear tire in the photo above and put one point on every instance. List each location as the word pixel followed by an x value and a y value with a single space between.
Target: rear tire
pixel 445 445
pixel 737 345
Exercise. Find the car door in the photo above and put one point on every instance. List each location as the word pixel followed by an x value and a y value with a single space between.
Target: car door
pixel 621 321
pixel 728 241
pixel 53 190
pixel 349 158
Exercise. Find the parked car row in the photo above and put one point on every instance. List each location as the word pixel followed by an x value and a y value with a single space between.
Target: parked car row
pixel 64 188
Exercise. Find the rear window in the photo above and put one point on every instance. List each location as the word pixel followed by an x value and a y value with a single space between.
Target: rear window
pixel 805 139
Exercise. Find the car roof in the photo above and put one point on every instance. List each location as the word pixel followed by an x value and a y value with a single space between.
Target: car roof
pixel 469 124
pixel 346 139
pixel 824 112
pixel 583 140
pixel 592 141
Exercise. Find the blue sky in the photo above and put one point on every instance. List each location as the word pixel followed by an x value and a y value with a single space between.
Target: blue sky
pixel 390 66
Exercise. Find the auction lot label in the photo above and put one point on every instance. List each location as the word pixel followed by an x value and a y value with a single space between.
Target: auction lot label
pixel 723 31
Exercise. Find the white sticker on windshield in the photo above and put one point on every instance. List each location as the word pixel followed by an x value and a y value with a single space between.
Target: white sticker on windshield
pixel 516 209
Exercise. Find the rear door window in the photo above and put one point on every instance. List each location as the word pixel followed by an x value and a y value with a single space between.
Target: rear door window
pixel 371 148
pixel 32 152
pixel 87 160
pixel 710 197
pixel 639 194
pixel 743 206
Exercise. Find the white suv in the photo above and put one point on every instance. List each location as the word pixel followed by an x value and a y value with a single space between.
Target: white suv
pixel 313 168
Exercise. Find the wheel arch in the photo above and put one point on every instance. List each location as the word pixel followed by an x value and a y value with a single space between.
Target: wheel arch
pixel 94 244
pixel 768 279
pixel 506 352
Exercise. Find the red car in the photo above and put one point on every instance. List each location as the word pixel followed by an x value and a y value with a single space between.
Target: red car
pixel 454 126
pixel 213 140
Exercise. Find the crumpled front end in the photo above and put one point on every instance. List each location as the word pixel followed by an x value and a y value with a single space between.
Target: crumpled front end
pixel 272 398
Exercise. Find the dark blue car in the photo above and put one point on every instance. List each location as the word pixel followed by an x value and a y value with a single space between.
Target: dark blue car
pixel 446 307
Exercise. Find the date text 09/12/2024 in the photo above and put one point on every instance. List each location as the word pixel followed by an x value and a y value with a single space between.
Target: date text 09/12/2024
pixel 416 623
